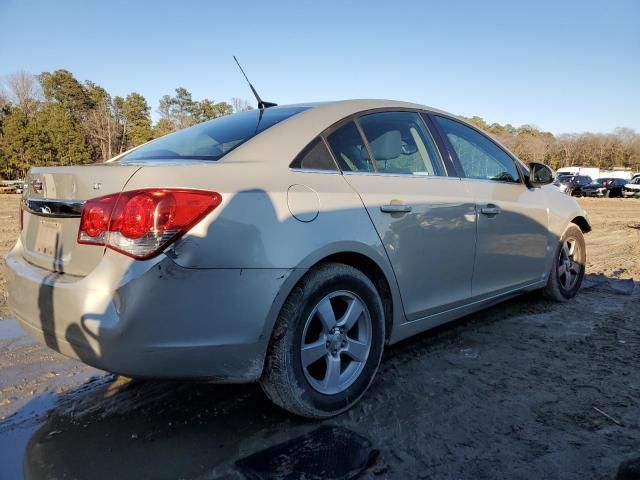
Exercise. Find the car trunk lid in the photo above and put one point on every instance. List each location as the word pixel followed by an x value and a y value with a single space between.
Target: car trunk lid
pixel 52 204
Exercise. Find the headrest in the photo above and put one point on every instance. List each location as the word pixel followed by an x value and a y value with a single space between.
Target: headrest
pixel 386 146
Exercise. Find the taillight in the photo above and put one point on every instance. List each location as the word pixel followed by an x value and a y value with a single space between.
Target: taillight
pixel 142 223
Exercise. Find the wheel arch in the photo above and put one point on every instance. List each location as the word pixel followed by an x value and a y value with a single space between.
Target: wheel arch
pixel 583 223
pixel 377 276
pixel 370 260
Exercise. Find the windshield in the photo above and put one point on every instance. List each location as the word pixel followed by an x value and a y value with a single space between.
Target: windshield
pixel 583 180
pixel 213 139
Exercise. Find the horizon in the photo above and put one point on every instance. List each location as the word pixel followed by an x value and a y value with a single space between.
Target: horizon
pixel 572 68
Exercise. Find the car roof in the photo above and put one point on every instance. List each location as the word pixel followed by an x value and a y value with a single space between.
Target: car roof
pixel 359 104
pixel 283 141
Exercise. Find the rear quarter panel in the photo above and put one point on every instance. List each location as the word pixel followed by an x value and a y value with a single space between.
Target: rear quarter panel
pixel 253 228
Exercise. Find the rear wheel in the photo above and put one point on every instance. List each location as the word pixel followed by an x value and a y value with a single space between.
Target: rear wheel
pixel 567 271
pixel 327 343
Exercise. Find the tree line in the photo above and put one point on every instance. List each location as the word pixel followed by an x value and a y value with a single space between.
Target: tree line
pixel 55 119
pixel 621 148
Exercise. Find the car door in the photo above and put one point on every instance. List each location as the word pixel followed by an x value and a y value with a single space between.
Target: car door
pixel 512 220
pixel 425 219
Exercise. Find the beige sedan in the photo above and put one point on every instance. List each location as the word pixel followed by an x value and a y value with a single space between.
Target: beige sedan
pixel 287 245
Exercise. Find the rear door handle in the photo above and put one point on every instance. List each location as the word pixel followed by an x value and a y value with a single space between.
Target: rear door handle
pixel 490 210
pixel 395 208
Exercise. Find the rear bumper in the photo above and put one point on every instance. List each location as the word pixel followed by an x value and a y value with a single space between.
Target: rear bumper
pixel 151 318
pixel 630 193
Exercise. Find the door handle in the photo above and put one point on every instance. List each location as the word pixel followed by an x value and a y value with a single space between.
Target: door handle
pixel 490 210
pixel 395 208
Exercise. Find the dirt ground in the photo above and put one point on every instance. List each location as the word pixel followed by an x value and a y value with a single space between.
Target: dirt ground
pixel 528 389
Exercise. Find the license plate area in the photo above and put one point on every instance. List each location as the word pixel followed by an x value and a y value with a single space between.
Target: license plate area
pixel 48 242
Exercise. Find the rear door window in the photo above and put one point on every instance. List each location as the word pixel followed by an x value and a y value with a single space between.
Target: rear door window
pixel 315 156
pixel 401 144
pixel 349 150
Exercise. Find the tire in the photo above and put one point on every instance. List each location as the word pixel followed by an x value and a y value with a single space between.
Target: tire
pixel 309 389
pixel 570 254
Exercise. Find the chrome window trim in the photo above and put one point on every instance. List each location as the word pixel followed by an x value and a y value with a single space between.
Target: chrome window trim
pixel 314 170
pixel 53 207
pixel 403 175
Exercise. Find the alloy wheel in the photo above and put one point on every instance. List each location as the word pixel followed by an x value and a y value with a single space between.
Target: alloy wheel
pixel 336 342
pixel 570 263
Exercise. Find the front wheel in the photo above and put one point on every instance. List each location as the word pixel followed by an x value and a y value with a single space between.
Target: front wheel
pixel 327 343
pixel 567 271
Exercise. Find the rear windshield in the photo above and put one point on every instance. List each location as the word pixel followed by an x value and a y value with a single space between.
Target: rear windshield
pixel 213 139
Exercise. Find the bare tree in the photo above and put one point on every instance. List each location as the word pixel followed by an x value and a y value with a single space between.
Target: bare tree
pixel 4 99
pixel 24 91
pixel 568 145
pixel 240 104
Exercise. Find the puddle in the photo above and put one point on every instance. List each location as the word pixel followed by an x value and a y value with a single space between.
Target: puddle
pixel 12 447
pixel 328 453
pixel 16 430
pixel 10 330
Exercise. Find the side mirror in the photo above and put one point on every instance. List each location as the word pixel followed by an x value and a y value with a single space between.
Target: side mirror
pixel 539 175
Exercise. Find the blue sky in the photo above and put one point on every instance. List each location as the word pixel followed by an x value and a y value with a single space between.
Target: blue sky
pixel 565 66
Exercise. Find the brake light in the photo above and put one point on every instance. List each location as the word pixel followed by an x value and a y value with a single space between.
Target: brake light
pixel 142 223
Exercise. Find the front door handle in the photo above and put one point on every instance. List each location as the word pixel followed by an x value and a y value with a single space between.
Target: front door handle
pixel 490 210
pixel 395 208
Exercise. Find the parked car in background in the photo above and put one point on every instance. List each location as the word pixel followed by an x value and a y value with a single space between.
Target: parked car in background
pixel 595 172
pixel 604 187
pixel 287 245
pixel 632 189
pixel 576 171
pixel 11 186
pixel 572 184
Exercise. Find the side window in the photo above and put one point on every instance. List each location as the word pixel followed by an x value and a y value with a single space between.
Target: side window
pixel 479 156
pixel 349 150
pixel 401 144
pixel 315 156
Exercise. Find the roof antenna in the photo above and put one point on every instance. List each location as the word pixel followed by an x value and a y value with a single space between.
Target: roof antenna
pixel 261 105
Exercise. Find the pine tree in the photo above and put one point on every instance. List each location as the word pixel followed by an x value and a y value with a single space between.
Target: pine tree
pixel 135 120
pixel 66 139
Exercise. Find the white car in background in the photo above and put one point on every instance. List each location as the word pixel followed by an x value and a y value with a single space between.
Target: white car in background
pixel 632 189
